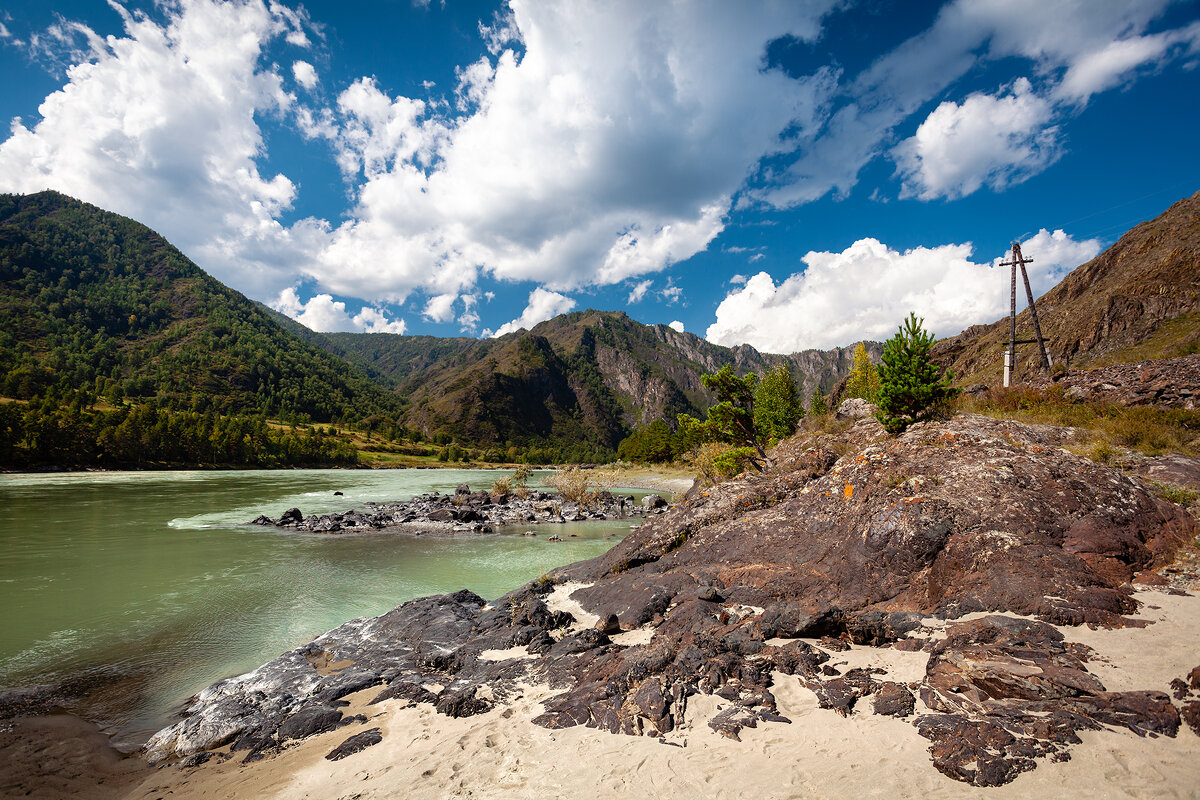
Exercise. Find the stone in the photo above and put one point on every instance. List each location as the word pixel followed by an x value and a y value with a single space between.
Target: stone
pixel 854 408
pixel 291 517
pixel 893 699
pixel 310 720
pixel 355 744
pixel 653 501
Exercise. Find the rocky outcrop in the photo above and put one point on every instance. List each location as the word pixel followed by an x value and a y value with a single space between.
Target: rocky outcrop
pixel 853 537
pixel 1164 383
pixel 465 511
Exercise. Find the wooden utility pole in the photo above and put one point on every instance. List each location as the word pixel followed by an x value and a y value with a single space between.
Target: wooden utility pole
pixel 1010 364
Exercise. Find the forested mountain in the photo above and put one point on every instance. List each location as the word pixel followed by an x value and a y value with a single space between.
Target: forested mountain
pixel 101 317
pixel 582 380
pixel 91 299
pixel 1138 299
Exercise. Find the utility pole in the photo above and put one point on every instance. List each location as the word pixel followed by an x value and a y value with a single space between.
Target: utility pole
pixel 1010 358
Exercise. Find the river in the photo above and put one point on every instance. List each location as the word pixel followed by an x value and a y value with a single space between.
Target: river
pixel 141 588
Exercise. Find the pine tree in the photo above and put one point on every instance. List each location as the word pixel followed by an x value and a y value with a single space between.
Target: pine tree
pixel 777 408
pixel 818 406
pixel 864 377
pixel 912 387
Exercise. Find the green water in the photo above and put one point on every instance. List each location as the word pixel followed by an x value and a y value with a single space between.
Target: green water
pixel 146 587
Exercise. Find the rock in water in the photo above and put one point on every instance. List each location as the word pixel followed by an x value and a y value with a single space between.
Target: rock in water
pixel 855 536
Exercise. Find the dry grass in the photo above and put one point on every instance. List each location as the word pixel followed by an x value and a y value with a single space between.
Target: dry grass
pixel 1148 430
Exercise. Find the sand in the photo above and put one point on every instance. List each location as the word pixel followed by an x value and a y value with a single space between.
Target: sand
pixel 501 754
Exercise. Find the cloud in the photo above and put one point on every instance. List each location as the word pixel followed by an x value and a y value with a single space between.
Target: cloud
pixel 543 305
pixel 305 74
pixel 998 140
pixel 590 144
pixel 865 291
pixel 440 308
pixel 671 294
pixel 323 313
pixel 1089 45
pixel 160 125
pixel 1105 66
pixel 676 326
pixel 468 320
pixel 591 147
pixel 638 292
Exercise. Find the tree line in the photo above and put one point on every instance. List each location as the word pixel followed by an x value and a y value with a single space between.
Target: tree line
pixel 67 431
pixel 753 413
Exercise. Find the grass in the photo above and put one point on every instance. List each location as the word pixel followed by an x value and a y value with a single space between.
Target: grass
pixel 1175 494
pixel 1145 429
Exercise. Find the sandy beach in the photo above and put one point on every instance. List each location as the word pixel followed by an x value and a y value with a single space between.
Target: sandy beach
pixel 501 754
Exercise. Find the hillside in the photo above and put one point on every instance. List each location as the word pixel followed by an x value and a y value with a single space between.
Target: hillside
pixel 90 299
pixel 1138 299
pixel 588 378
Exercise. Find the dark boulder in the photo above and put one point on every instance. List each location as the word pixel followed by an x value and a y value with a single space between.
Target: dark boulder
pixel 356 743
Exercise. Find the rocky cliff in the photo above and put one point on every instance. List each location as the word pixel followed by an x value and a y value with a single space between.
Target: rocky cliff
pixel 964 542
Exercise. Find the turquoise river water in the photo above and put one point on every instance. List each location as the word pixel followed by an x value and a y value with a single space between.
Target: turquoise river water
pixel 141 588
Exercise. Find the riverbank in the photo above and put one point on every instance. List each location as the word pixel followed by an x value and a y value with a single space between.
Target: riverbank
pixel 502 754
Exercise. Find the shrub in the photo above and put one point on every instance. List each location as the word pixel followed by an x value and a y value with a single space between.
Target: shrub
pixel 574 486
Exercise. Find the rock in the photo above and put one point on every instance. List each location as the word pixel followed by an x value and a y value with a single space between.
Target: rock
pixel 854 408
pixel 1190 713
pixel 948 519
pixel 609 625
pixel 462 489
pixel 291 517
pixel 356 743
pixel 338 494
pixel 262 519
pixel 653 501
pixel 893 700
pixel 310 720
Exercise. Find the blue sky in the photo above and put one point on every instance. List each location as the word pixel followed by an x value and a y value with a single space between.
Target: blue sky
pixel 787 175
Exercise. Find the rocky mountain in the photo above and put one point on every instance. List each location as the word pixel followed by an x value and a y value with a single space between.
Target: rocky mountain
pixel 95 300
pixel 587 376
pixel 1138 299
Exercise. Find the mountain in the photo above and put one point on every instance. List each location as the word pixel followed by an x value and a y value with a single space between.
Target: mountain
pixel 91 299
pixel 1138 299
pixel 586 378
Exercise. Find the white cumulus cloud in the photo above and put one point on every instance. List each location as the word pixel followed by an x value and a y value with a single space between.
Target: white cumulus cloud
pixel 865 291
pixel 543 305
pixel 159 125
pixel 305 74
pixel 323 313
pixel 600 153
pixel 675 325
pixel 992 139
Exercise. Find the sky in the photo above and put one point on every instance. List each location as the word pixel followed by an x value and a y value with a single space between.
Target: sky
pixel 787 175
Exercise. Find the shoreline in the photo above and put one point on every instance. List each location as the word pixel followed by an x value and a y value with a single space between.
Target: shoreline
pixel 502 754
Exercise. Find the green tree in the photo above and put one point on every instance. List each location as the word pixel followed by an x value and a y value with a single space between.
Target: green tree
pixel 731 420
pixel 777 408
pixel 818 406
pixel 864 377
pixel 912 387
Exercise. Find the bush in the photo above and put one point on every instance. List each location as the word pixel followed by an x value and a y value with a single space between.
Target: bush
pixel 574 486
